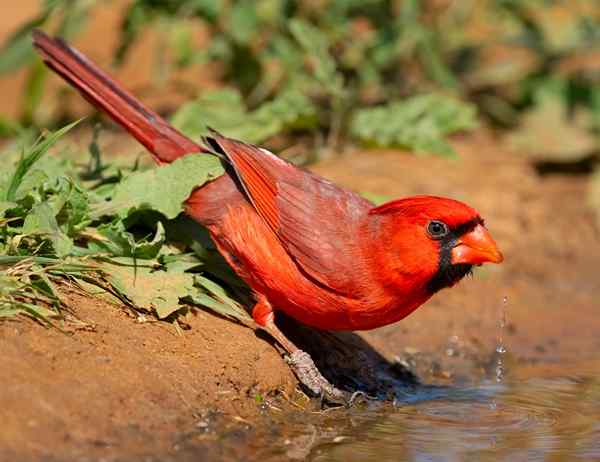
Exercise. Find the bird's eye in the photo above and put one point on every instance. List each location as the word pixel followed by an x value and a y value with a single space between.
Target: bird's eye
pixel 437 229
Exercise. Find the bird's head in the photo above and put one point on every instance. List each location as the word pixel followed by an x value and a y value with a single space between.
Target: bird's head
pixel 434 241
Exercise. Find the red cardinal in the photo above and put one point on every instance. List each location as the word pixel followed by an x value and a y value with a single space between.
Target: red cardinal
pixel 318 252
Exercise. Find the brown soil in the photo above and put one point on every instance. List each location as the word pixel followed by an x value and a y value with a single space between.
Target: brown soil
pixel 122 387
pixel 115 379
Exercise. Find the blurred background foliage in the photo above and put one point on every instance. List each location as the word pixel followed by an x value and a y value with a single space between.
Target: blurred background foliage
pixel 401 73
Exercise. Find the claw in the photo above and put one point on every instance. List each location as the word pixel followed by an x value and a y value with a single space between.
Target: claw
pixel 309 376
pixel 359 396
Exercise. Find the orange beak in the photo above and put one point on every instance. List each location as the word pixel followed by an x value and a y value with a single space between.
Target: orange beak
pixel 476 247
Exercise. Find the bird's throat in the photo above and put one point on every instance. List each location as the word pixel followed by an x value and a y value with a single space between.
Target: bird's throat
pixel 447 274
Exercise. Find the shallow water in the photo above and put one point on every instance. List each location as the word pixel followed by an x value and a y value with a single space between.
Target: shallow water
pixel 545 413
pixel 538 412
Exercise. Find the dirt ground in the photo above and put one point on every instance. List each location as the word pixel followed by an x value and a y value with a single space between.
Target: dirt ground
pixel 115 385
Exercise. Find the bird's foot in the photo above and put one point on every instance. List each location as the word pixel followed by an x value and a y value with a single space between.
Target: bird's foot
pixel 305 369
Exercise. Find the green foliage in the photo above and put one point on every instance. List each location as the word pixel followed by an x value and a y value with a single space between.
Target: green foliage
pixel 27 161
pixel 119 231
pixel 224 111
pixel 420 123
pixel 171 186
pixel 550 131
pixel 216 298
pixel 315 46
pixel 288 67
pixel 294 67
pixel 153 287
pixel 28 285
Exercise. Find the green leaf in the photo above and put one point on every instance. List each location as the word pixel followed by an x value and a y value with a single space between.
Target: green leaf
pixel 4 206
pixel 208 9
pixel 316 45
pixel 180 262
pixel 243 21
pixel 32 155
pixel 37 312
pixel 165 189
pixel 182 44
pixel 116 241
pixel 224 111
pixel 432 58
pixel 419 123
pixel 42 221
pixel 28 284
pixel 152 289
pixel 73 217
pixel 220 109
pixel 216 299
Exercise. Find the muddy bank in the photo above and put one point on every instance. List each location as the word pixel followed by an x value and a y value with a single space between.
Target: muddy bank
pixel 117 383
pixel 116 388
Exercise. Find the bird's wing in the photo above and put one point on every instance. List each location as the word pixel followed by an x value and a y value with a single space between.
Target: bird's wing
pixel 318 223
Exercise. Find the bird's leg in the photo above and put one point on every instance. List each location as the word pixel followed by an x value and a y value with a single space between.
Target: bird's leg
pixel 300 361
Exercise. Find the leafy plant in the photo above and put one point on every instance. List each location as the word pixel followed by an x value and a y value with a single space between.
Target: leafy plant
pixel 550 131
pixel 334 69
pixel 287 67
pixel 121 232
pixel 224 110
pixel 29 285
pixel 420 123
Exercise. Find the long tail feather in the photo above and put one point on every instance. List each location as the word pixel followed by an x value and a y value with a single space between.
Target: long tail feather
pixel 156 134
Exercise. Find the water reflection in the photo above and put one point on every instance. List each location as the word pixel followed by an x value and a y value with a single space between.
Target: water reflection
pixel 523 419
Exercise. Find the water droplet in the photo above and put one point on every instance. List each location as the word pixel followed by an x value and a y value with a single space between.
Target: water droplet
pixel 499 370
pixel 500 346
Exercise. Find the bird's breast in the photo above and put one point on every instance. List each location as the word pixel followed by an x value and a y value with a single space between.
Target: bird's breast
pixel 259 258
